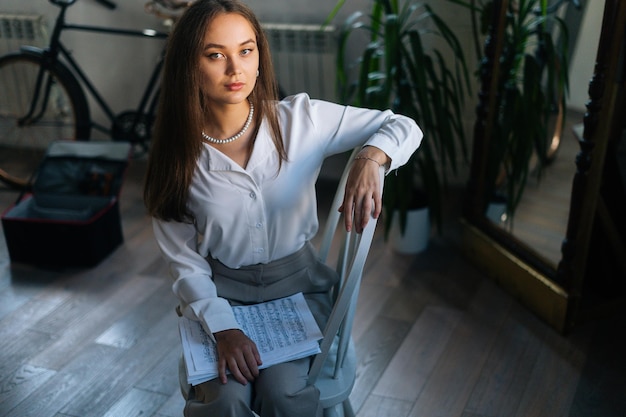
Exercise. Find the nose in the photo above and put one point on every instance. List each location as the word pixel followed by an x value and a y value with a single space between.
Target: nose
pixel 233 65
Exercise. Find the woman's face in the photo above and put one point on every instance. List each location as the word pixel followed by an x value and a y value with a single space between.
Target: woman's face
pixel 229 59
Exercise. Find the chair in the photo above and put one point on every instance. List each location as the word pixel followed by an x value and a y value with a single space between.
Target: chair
pixel 333 370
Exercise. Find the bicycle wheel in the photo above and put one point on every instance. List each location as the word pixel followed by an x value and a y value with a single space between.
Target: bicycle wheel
pixel 60 112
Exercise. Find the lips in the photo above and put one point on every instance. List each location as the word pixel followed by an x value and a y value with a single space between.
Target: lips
pixel 235 86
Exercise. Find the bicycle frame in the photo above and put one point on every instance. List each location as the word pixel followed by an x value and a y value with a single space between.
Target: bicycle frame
pixel 92 89
pixel 57 48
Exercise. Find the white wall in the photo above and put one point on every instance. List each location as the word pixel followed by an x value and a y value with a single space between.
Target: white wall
pixel 584 56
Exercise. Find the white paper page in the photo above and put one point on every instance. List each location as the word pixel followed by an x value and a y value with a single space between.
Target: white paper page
pixel 282 329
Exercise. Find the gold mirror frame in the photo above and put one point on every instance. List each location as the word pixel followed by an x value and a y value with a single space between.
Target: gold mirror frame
pixel 558 295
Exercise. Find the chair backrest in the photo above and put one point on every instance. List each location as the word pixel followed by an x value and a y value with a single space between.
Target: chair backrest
pixel 351 256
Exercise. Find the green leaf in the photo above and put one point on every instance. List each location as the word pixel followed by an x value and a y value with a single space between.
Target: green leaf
pixel 396 71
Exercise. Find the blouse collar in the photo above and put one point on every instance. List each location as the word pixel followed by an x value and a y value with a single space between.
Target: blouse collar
pixel 262 152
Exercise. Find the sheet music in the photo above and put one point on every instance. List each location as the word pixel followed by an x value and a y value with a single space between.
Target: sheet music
pixel 282 329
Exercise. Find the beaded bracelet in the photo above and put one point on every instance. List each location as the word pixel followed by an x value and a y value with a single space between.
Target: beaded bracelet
pixel 368 158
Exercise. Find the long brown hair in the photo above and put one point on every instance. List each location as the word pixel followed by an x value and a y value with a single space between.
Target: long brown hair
pixel 176 142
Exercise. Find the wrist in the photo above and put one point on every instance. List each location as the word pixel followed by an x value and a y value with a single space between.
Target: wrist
pixel 225 333
pixel 373 154
pixel 367 158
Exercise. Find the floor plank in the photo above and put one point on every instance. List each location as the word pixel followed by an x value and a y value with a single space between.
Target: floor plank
pixel 132 365
pixel 90 323
pixel 137 403
pixel 130 328
pixel 504 378
pixel 172 407
pixel 459 366
pixel 374 351
pixel 552 383
pixel 159 378
pixel 20 348
pixel 18 386
pixel 377 406
pixel 419 352
pixel 602 385
pixel 81 372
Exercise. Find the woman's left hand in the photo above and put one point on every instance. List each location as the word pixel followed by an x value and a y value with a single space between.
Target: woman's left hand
pixel 363 188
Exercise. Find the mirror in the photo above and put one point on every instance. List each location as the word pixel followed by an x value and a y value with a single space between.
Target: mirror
pixel 549 258
pixel 540 218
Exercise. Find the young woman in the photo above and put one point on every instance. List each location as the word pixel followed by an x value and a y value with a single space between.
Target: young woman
pixel 231 187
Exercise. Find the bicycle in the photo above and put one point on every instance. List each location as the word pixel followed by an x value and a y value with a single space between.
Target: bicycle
pixel 43 98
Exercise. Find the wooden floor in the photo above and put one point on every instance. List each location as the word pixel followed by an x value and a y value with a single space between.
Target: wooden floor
pixel 433 335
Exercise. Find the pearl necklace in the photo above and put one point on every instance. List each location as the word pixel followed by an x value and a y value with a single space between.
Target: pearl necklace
pixel 235 137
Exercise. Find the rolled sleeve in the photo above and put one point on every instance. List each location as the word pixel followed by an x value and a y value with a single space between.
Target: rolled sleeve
pixel 341 128
pixel 398 137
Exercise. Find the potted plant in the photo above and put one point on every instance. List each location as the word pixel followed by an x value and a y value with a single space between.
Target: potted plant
pixel 398 70
pixel 532 85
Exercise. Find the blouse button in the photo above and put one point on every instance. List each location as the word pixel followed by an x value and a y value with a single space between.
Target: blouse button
pixel 259 225
pixel 252 194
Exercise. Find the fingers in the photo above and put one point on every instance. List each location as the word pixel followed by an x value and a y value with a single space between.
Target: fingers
pixel 362 196
pixel 346 218
pixel 237 354
pixel 362 209
pixel 243 368
pixel 370 207
pixel 221 370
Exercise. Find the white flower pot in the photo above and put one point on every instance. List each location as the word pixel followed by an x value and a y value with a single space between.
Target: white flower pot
pixel 496 211
pixel 416 234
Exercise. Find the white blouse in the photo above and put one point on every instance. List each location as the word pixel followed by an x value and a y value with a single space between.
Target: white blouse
pixel 259 214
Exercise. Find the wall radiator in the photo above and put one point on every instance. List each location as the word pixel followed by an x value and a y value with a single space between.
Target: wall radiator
pixel 21 29
pixel 304 58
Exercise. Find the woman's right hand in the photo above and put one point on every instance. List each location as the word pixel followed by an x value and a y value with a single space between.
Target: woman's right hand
pixel 239 354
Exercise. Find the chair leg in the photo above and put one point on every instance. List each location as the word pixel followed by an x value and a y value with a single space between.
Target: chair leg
pixel 340 410
pixel 347 409
pixel 332 411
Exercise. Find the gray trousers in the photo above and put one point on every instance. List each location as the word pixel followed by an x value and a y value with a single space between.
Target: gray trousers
pixel 281 390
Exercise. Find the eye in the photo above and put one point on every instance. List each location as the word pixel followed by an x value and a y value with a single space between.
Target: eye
pixel 216 55
pixel 246 51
